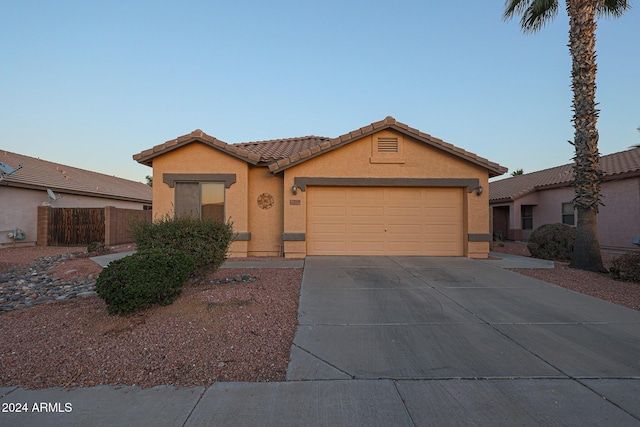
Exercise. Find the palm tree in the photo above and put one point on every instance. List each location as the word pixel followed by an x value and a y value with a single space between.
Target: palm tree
pixel 586 170
pixel 517 172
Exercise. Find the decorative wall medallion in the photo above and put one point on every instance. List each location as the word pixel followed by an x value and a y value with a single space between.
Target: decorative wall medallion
pixel 265 201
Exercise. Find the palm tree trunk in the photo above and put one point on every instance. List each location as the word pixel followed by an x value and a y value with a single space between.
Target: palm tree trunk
pixel 586 170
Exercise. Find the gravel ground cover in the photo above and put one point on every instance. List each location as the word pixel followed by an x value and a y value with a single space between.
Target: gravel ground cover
pixel 229 325
pixel 599 285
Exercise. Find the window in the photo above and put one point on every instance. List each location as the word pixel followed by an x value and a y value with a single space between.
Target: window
pixel 527 217
pixel 204 200
pixel 568 216
pixel 212 201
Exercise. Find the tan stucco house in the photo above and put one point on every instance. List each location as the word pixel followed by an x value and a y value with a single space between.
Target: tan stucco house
pixel 383 189
pixel 521 204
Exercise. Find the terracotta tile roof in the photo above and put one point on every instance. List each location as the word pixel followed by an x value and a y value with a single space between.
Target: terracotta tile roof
pixel 41 174
pixel 388 123
pixel 280 154
pixel 236 150
pixel 614 166
pixel 272 150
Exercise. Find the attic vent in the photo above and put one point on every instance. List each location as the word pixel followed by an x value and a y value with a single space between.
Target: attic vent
pixel 387 145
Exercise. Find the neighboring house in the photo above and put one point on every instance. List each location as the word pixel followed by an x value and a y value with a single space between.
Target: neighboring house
pixel 523 203
pixel 33 185
pixel 383 189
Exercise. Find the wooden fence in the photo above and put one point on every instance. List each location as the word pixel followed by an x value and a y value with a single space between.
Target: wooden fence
pixel 82 226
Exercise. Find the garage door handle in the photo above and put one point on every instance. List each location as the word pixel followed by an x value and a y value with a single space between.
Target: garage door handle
pixel 385 230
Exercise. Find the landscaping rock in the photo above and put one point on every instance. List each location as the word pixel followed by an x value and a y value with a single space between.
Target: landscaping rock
pixel 31 286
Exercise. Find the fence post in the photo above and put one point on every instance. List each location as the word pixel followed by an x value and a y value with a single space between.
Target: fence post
pixel 43 226
pixel 110 225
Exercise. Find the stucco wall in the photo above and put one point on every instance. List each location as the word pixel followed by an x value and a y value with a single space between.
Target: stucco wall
pixel 20 210
pixel 420 161
pixel 198 158
pixel 265 223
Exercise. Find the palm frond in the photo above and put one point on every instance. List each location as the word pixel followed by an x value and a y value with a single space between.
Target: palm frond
pixel 612 8
pixel 534 13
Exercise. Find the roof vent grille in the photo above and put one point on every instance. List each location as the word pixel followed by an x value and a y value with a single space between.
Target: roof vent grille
pixel 387 145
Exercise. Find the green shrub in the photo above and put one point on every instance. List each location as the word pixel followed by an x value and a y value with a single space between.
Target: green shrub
pixel 626 267
pixel 552 241
pixel 148 277
pixel 206 241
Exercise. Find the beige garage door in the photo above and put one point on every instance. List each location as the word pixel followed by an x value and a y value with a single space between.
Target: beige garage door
pixel 384 221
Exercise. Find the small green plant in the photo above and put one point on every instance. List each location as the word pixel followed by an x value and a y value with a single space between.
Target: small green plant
pixel 552 241
pixel 205 241
pixel 146 278
pixel 97 248
pixel 626 267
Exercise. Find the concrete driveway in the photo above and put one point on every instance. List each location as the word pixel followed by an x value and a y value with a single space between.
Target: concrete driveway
pixel 459 335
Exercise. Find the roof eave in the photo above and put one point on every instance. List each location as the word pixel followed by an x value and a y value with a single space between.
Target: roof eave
pixel 494 169
pixel 146 157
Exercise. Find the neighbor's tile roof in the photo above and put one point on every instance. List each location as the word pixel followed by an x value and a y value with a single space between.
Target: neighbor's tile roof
pixel 614 166
pixel 281 154
pixel 41 174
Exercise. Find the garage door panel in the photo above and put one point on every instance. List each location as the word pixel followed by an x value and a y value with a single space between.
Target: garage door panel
pixel 329 211
pixel 412 229
pixel 367 228
pixel 352 221
pixel 367 247
pixel 329 228
pixel 367 211
pixel 404 211
pixel 404 248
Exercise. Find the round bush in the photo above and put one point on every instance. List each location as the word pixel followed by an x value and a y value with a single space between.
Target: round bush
pixel 552 241
pixel 207 242
pixel 148 277
pixel 627 267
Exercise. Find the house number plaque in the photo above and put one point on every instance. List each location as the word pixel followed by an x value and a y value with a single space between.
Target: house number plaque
pixel 265 201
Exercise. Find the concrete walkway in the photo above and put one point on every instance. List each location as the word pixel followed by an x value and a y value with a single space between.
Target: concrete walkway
pixel 405 341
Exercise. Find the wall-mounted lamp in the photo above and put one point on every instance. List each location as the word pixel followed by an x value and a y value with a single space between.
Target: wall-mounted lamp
pixel 294 189
pixel 479 190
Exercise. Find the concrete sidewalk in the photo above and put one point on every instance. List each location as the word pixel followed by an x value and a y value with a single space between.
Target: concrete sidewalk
pixel 403 341
pixel 104 260
pixel 514 261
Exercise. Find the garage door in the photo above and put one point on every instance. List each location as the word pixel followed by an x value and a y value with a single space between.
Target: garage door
pixel 384 221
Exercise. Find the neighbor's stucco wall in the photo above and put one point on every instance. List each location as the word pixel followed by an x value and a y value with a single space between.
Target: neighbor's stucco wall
pixel 420 161
pixel 20 210
pixel 618 218
pixel 198 158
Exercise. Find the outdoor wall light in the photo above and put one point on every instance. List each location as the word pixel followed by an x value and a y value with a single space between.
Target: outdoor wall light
pixel 479 190
pixel 294 189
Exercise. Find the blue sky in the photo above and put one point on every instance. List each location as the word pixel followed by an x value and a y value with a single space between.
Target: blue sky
pixel 90 83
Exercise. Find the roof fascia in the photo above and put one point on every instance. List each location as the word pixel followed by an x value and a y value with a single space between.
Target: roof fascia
pixel 27 186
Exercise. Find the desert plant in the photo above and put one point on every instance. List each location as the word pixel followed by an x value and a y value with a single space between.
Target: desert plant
pixel 552 241
pixel 626 267
pixel 148 277
pixel 205 241
pixel 97 248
